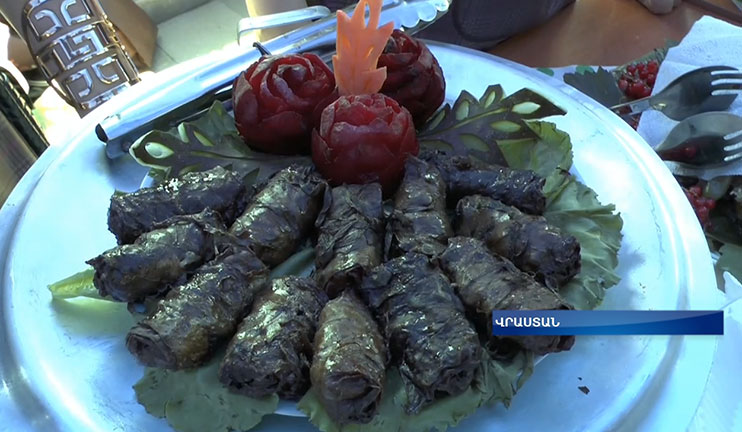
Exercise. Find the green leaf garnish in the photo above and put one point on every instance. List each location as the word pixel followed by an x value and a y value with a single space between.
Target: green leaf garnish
pixel 195 400
pixel 600 85
pixel 574 208
pixel 488 119
pixel 209 141
pixel 78 285
pixel 730 259
pixel 577 211
pixel 495 381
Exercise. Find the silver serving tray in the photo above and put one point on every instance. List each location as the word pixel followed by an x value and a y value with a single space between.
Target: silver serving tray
pixel 59 373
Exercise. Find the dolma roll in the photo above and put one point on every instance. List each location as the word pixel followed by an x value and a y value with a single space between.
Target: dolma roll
pixel 272 349
pixel 530 242
pixel 463 175
pixel 348 369
pixel 485 282
pixel 419 222
pixel 282 214
pixel 157 259
pixel 351 239
pixel 196 316
pixel 221 190
pixel 430 339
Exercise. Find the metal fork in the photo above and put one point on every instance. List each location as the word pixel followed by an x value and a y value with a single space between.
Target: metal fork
pixel 711 88
pixel 705 145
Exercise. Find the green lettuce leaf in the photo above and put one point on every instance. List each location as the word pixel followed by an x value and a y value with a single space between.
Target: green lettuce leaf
pixel 495 381
pixel 575 209
pixel 78 285
pixel 195 400
pixel 549 155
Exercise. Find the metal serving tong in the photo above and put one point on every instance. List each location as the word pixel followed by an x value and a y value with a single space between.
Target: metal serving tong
pixel 193 91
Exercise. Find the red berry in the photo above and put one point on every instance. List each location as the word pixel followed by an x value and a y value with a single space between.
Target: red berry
pixel 636 89
pixel 643 73
pixel 689 152
pixel 631 68
pixel 650 79
pixel 653 67
pixel 646 91
pixel 623 84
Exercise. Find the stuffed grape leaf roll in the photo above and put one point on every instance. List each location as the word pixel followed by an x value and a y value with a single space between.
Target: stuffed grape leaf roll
pixel 157 259
pixel 348 368
pixel 430 339
pixel 132 214
pixel 272 349
pixel 350 241
pixel 282 214
pixel 486 282
pixel 194 317
pixel 419 222
pixel 530 242
pixel 463 175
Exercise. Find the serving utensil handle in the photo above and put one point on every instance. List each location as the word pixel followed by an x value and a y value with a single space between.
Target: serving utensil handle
pixel 636 106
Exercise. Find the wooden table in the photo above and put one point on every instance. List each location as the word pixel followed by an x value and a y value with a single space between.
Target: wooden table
pixel 605 32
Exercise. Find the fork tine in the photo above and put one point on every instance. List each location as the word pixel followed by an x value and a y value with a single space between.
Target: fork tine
pixel 733 140
pixel 725 86
pixel 720 69
pixel 732 157
pixel 724 75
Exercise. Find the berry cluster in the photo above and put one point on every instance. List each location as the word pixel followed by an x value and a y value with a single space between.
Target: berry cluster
pixel 701 204
pixel 638 79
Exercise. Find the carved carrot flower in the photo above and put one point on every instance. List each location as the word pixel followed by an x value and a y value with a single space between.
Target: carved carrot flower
pixel 363 136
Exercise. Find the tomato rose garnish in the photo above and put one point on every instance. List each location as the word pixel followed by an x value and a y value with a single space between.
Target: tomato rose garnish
pixel 414 77
pixel 278 99
pixel 362 139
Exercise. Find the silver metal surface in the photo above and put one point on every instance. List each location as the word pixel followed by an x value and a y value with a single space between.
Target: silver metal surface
pixel 282 18
pixel 64 365
pixel 705 145
pixel 196 82
pixel 700 90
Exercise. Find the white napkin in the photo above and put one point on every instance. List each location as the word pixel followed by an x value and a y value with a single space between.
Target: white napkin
pixel 710 42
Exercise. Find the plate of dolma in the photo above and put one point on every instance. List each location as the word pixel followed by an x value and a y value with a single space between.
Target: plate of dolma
pixel 427 269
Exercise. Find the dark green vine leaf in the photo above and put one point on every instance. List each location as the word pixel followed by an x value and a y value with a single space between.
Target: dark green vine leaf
pixel 473 126
pixel 195 400
pixel 495 381
pixel 600 85
pixel 210 141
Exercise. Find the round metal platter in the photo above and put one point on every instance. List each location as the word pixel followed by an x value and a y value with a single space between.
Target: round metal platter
pixel 59 371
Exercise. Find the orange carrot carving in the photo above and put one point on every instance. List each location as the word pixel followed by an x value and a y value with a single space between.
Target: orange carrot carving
pixel 358 50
